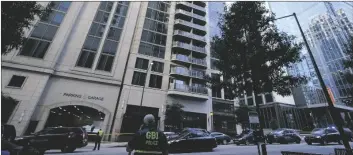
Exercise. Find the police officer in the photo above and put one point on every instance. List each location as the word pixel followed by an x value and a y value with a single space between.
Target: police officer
pixel 98 139
pixel 149 140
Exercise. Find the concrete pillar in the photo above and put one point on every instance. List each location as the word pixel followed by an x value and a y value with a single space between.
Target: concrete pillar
pixel 43 119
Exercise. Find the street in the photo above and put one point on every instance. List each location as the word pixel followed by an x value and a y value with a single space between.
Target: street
pixel 231 149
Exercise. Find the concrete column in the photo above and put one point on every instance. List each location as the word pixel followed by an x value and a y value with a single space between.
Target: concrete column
pixel 43 119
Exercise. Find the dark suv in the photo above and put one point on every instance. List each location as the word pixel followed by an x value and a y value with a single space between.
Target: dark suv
pixel 283 136
pixel 67 139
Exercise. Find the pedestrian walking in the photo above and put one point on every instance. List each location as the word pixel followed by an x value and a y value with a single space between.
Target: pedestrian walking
pixel 149 140
pixel 98 139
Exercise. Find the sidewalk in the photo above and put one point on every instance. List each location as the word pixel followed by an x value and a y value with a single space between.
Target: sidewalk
pixel 109 144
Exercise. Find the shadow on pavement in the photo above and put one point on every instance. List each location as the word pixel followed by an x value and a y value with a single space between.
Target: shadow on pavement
pixel 59 152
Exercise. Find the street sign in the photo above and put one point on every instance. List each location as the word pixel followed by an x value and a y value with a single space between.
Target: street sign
pixel 254 119
pixel 331 95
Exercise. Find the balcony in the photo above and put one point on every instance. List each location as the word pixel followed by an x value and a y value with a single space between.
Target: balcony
pixel 180 71
pixel 198 74
pixel 183 33
pixel 190 25
pixel 181 58
pixel 177 44
pixel 199 62
pixel 189 91
pixel 199 50
pixel 194 6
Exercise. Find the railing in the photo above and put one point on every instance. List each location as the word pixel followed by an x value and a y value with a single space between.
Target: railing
pixel 181 57
pixel 198 74
pixel 197 7
pixel 199 90
pixel 190 24
pixel 183 33
pixel 183 45
pixel 189 89
pixel 181 87
pixel 180 71
pixel 199 49
pixel 189 47
pixel 201 62
pixel 341 151
pixel 297 153
pixel 197 37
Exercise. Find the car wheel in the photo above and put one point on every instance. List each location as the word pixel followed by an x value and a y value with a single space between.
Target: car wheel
pixel 246 142
pixel 68 149
pixel 309 143
pixel 323 142
pixel 225 142
pixel 298 141
pixel 340 142
pixel 270 142
pixel 237 144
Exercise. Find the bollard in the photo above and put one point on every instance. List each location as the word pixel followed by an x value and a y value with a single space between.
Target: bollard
pixel 263 149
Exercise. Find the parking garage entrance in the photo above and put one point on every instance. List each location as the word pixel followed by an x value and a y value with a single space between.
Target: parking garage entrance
pixel 75 116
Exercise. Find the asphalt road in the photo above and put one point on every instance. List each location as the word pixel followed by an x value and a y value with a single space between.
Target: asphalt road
pixel 231 149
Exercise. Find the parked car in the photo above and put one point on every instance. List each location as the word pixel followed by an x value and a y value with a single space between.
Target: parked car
pixel 9 148
pixel 323 136
pixel 221 138
pixel 8 132
pixel 67 139
pixel 283 136
pixel 246 137
pixel 192 139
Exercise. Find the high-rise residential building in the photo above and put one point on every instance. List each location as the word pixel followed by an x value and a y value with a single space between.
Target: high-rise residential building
pixel 327 39
pixel 71 69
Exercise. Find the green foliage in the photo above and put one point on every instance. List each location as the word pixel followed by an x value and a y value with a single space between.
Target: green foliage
pixel 253 52
pixel 16 16
pixel 242 114
pixel 174 114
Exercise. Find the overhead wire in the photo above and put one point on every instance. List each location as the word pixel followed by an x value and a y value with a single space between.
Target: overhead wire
pixel 310 7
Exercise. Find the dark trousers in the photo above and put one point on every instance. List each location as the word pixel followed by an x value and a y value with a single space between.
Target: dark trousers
pixel 97 142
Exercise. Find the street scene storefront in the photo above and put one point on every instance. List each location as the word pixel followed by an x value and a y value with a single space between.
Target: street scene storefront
pixel 224 119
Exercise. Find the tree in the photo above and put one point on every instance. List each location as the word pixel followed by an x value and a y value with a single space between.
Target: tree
pixel 174 115
pixel 253 53
pixel 348 65
pixel 16 16
pixel 242 115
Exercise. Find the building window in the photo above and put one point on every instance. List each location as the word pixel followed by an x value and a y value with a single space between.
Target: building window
pixel 162 6
pixel 152 50
pixel 139 78
pixel 17 81
pixel 43 33
pixel 154 38
pixel 93 40
pixel 250 101
pixel 157 15
pixel 111 43
pixel 141 63
pixel 213 66
pixel 157 66
pixel 155 26
pixel 268 98
pixel 216 91
pixel 155 81
pixel 259 99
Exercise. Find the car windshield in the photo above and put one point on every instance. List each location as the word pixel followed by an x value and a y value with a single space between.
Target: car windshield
pixel 318 131
pixel 278 131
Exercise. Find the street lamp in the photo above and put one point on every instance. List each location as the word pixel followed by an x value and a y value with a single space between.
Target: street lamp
pixel 143 88
pixel 337 119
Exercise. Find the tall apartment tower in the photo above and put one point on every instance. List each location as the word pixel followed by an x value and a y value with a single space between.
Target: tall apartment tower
pixel 74 64
pixel 326 37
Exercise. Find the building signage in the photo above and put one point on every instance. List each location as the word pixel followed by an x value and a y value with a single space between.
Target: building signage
pixel 90 97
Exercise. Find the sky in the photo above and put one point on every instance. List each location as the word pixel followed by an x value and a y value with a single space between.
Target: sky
pixel 305 11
